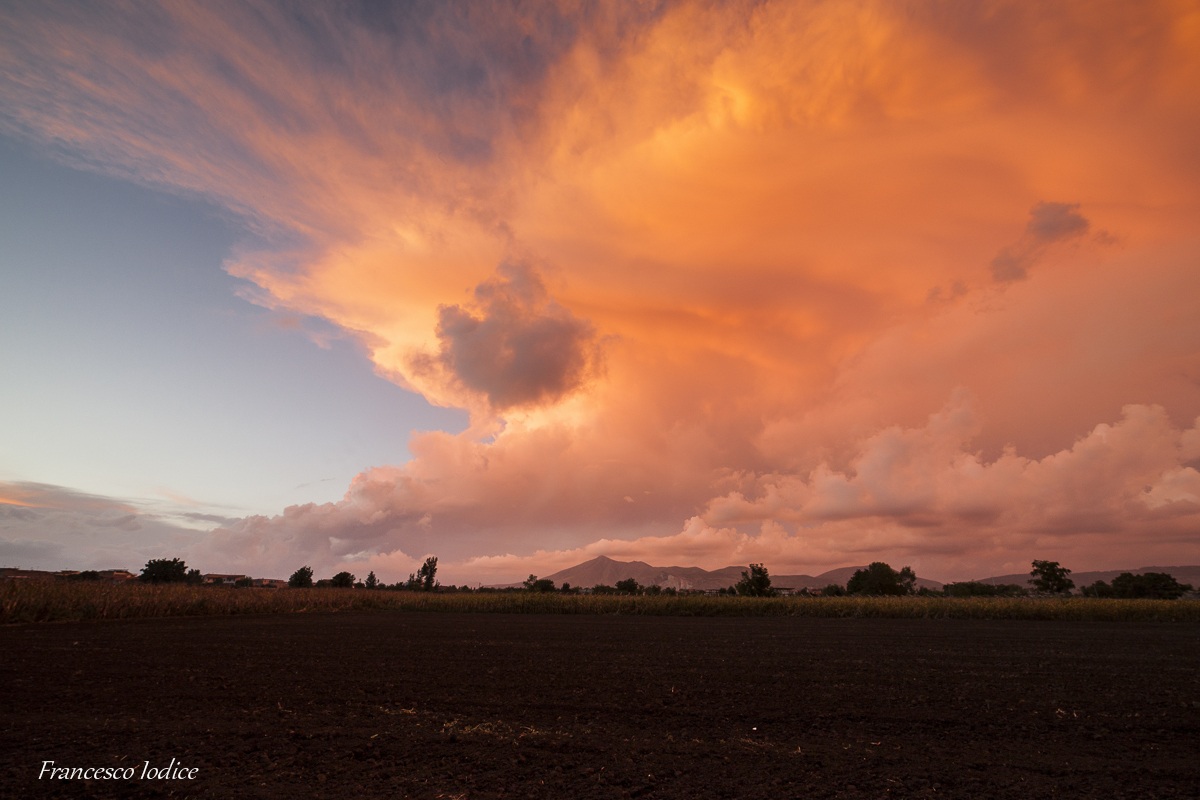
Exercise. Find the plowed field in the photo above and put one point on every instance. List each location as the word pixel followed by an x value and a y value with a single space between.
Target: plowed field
pixel 428 705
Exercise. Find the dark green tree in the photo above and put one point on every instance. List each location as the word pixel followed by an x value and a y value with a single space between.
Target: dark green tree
pixel 1156 585
pixel 1049 577
pixel 343 580
pixel 978 589
pixel 535 584
pixel 629 586
pixel 372 581
pixel 755 582
pixel 301 578
pixel 194 577
pixel 427 574
pixel 1098 589
pixel 880 579
pixel 162 570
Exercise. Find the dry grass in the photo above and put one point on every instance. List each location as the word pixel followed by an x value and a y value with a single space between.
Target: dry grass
pixel 55 601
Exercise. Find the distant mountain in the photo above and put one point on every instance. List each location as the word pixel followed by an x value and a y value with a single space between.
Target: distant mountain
pixel 607 571
pixel 1186 574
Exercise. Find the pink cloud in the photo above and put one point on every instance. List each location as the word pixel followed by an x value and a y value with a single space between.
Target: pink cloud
pixel 779 226
pixel 920 495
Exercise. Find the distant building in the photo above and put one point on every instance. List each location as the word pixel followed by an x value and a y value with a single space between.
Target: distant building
pixel 17 574
pixel 116 575
pixel 270 583
pixel 217 579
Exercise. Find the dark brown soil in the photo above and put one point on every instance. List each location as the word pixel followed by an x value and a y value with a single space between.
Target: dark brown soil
pixel 387 704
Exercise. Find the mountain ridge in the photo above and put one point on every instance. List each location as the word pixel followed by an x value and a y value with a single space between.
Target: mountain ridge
pixel 1182 573
pixel 607 571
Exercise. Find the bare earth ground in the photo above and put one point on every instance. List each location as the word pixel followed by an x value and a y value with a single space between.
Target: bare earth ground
pixel 426 705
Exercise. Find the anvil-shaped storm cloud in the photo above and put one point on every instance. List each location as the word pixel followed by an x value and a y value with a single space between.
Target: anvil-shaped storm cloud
pixel 806 283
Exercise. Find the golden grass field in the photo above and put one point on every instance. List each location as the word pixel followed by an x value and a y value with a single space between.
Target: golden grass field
pixel 57 601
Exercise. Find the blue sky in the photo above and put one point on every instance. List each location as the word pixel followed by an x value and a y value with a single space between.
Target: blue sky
pixel 132 368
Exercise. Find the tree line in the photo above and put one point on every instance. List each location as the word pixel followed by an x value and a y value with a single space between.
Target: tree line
pixel 175 570
pixel 879 579
pixel 1047 578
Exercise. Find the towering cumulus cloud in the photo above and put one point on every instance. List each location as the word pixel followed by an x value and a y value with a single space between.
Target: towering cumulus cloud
pixel 813 283
pixel 515 345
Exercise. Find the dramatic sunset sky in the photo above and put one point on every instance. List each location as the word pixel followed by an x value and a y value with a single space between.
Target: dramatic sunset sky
pixel 518 284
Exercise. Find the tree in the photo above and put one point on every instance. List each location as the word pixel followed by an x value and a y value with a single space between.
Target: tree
pixel 1049 577
pixel 535 584
pixel 755 582
pixel 161 570
pixel 372 581
pixel 427 573
pixel 1156 585
pixel 194 577
pixel 629 586
pixel 343 580
pixel 301 578
pixel 880 579
pixel 1097 589
pixel 978 589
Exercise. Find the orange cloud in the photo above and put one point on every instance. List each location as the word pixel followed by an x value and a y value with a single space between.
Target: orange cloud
pixel 764 244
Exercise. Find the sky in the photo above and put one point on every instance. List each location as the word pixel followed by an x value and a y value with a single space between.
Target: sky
pixel 808 284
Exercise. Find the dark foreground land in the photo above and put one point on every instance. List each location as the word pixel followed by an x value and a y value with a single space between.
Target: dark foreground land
pixel 427 705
